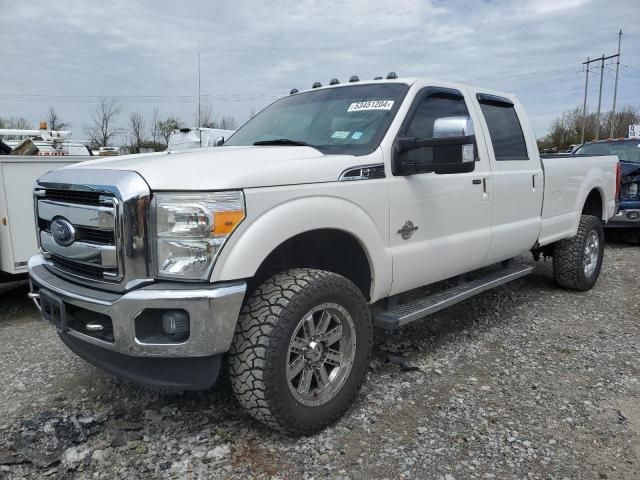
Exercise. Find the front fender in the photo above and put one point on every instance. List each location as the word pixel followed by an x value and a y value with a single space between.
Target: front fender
pixel 258 236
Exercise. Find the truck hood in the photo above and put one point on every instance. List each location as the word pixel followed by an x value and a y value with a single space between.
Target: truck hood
pixel 222 168
pixel 629 168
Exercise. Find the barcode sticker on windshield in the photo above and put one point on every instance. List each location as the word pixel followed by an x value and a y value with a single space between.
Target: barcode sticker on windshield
pixel 371 105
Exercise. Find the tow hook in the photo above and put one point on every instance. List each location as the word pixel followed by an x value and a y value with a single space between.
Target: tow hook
pixel 36 299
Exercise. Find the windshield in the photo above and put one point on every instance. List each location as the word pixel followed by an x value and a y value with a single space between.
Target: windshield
pixel 345 120
pixel 626 150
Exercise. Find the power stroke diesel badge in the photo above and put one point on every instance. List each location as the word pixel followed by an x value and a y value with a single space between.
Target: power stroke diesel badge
pixel 407 230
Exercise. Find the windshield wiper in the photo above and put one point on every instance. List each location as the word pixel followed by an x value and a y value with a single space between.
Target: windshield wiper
pixel 283 141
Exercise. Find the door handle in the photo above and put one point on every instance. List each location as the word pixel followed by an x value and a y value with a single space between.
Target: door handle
pixel 476 181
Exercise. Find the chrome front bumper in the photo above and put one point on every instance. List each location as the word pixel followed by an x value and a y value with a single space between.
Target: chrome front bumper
pixel 213 312
pixel 625 218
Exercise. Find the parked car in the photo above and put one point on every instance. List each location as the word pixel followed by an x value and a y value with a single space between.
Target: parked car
pixel 270 249
pixel 108 151
pixel 628 151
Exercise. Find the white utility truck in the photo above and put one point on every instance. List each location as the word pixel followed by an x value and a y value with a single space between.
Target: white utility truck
pixel 271 249
pixel 18 236
pixel 49 142
pixel 200 137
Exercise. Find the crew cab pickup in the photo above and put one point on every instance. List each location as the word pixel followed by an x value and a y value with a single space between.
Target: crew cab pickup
pixel 271 249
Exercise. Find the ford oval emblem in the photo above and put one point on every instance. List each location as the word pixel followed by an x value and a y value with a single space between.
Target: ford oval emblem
pixel 63 232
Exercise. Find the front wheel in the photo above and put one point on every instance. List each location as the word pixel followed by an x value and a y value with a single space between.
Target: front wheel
pixel 301 349
pixel 577 261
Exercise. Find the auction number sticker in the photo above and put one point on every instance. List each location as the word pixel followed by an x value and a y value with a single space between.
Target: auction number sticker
pixel 371 105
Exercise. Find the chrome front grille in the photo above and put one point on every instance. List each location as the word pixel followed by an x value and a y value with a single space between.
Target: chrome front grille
pixel 93 215
pixel 106 221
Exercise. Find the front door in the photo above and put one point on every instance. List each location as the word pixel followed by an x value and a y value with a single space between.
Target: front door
pixel 440 223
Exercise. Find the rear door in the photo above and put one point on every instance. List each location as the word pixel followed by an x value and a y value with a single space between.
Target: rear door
pixel 517 184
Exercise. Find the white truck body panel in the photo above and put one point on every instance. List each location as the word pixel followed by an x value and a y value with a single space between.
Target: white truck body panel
pixel 568 181
pixel 17 177
pixel 231 167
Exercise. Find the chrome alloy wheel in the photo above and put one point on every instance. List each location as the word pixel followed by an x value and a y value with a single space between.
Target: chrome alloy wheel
pixel 321 353
pixel 591 254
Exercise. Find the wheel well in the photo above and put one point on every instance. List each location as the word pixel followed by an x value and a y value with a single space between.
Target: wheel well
pixel 593 204
pixel 326 249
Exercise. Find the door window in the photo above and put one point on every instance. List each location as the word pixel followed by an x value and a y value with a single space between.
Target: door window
pixel 504 128
pixel 431 107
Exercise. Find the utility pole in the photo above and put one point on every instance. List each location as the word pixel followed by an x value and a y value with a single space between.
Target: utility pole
pixel 587 63
pixel 599 98
pixel 199 110
pixel 584 104
pixel 615 89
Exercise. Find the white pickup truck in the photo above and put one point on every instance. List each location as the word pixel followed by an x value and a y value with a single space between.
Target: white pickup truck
pixel 271 249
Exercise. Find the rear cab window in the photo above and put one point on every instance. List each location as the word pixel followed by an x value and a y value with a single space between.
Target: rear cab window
pixel 505 130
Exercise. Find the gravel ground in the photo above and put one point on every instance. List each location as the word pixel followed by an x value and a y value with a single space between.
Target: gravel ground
pixel 526 381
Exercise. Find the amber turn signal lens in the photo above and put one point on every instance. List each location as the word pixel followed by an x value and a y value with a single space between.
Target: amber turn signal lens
pixel 225 222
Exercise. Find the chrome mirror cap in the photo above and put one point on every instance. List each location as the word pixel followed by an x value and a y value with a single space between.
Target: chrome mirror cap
pixel 447 127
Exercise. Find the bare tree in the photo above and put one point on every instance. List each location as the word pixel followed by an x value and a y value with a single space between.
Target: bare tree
pixel 54 122
pixel 101 128
pixel 167 126
pixel 19 123
pixel 155 129
pixel 136 130
pixel 227 123
pixel 206 116
pixel 566 130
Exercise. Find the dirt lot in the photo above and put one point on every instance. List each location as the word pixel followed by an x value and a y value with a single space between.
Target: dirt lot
pixel 527 381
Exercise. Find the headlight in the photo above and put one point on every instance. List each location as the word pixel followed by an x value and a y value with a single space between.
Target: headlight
pixel 190 229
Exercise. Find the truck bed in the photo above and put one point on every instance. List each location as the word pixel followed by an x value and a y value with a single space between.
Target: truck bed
pixel 568 179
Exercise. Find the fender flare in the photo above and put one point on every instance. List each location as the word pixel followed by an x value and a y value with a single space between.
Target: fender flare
pixel 257 237
pixel 590 183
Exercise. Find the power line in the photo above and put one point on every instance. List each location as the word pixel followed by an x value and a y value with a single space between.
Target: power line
pixel 524 76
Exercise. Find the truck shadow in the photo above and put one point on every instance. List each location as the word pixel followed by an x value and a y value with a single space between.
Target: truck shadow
pixel 623 237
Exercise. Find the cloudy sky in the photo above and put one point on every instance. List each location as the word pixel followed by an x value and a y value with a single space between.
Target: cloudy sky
pixel 66 54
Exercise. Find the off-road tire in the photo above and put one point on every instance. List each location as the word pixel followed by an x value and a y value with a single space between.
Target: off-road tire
pixel 258 354
pixel 568 256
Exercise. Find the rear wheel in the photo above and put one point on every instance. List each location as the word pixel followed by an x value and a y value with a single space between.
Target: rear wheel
pixel 577 261
pixel 301 349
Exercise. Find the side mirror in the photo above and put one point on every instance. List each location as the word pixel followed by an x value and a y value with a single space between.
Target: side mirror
pixel 453 127
pixel 218 142
pixel 451 149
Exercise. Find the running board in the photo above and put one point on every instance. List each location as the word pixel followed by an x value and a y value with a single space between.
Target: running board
pixel 400 315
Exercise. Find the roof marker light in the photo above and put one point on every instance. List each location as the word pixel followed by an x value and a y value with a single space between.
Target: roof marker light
pixel 391 76
pixel 293 90
pixel 334 81
pixel 354 78
pixel 377 78
pixel 316 85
